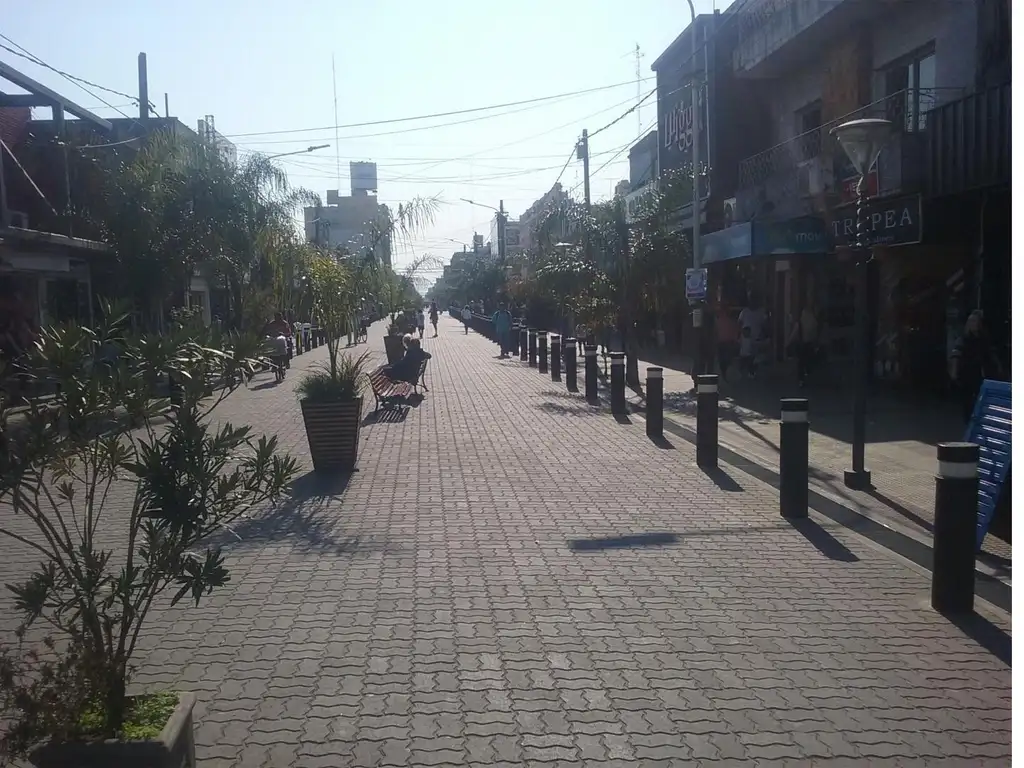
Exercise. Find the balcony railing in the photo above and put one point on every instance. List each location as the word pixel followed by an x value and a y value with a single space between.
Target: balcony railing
pixel 813 163
pixel 968 143
pixel 767 25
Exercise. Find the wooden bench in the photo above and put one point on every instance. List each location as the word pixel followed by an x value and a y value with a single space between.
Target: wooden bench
pixel 418 382
pixel 385 391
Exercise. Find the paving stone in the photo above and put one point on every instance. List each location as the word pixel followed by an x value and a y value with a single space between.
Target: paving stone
pixel 468 598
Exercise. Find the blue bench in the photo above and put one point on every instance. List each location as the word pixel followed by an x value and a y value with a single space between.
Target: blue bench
pixel 991 428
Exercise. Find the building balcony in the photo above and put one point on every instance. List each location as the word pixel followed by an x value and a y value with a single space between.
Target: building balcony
pixel 968 143
pixel 809 172
pixel 775 35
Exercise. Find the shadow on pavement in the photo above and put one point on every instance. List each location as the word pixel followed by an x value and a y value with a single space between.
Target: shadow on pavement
pixel 986 634
pixel 394 415
pixel 663 442
pixel 722 479
pixel 304 519
pixel 623 542
pixel 823 541
pixel 271 384
pixel 622 418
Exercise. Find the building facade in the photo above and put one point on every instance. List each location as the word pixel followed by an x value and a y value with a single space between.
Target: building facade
pixel 352 222
pixel 532 217
pixel 815 65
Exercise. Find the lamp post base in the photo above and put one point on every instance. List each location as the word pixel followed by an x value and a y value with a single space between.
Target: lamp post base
pixel 858 480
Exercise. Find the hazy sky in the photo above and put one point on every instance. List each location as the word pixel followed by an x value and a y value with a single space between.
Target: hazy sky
pixel 263 70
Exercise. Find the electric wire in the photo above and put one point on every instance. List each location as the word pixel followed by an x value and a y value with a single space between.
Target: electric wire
pixel 450 113
pixel 72 78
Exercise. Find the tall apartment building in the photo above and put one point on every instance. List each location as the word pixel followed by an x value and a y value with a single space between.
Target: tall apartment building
pixel 354 222
pixel 534 215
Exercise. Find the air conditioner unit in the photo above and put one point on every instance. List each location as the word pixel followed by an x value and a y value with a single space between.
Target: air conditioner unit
pixel 730 213
pixel 814 178
pixel 17 219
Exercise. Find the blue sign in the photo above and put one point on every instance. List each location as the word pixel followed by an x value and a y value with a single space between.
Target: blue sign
pixel 696 284
pixel 732 243
pixel 805 234
pixel 991 429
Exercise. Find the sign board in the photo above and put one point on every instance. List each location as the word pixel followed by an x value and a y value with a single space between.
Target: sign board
pixel 696 283
pixel 893 221
pixel 991 428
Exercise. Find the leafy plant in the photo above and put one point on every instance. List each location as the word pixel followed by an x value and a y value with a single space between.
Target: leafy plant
pixel 321 385
pixel 104 564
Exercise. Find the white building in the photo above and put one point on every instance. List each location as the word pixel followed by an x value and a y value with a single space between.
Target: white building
pixel 354 222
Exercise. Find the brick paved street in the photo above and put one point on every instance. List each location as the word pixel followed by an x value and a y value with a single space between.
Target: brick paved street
pixel 467 598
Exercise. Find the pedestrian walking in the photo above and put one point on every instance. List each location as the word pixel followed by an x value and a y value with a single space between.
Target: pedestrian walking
pixel 581 337
pixel 467 315
pixel 502 320
pixel 433 316
pixel 421 321
pixel 803 342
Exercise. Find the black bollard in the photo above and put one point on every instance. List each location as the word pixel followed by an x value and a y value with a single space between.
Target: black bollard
pixel 291 351
pixel 532 339
pixel 655 402
pixel 542 351
pixel 618 383
pixel 707 421
pixel 513 341
pixel 955 537
pixel 523 343
pixel 570 365
pixel 793 433
pixel 556 358
pixel 590 372
pixel 298 343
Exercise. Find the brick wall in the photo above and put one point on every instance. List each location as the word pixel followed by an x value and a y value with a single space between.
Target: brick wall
pixel 14 124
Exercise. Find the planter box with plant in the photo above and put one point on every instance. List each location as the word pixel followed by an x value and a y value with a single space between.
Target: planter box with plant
pixel 329 395
pixel 107 433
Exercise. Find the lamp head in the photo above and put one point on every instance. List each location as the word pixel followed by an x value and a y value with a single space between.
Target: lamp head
pixel 863 140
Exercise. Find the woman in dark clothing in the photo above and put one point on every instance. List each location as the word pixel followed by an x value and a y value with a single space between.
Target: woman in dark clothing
pixel 973 360
pixel 408 368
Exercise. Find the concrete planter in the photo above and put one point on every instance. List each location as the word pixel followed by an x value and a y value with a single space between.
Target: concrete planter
pixel 175 748
pixel 332 431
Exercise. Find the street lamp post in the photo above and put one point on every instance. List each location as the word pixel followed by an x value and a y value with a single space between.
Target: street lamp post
pixel 313 148
pixel 502 221
pixel 862 141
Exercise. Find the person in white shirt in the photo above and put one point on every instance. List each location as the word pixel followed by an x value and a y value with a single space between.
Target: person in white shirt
pixel 421 321
pixel 467 315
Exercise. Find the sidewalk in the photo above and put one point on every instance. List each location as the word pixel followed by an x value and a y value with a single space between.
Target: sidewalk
pixel 900 450
pixel 514 577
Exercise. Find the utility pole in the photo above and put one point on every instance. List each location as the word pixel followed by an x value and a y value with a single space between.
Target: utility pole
pixel 583 153
pixel 502 218
pixel 143 88
pixel 639 88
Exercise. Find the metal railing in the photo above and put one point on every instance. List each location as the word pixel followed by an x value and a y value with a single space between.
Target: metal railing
pixel 906 109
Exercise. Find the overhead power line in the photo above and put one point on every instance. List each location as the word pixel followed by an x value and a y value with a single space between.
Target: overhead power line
pixel 434 115
pixel 24 54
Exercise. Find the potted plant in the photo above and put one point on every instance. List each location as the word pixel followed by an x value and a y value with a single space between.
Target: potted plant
pixel 108 432
pixel 329 395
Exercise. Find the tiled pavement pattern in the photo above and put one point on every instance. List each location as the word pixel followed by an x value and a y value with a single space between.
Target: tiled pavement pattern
pixel 453 606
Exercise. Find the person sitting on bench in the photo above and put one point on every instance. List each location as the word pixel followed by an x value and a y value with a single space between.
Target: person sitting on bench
pixel 408 368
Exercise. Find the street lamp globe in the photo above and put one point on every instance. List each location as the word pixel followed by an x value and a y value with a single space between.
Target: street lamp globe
pixel 863 140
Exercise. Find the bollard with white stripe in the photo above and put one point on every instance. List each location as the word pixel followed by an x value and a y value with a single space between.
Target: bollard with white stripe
pixel 618 383
pixel 556 358
pixel 532 358
pixel 590 372
pixel 707 421
pixel 542 351
pixel 655 402
pixel 570 364
pixel 524 343
pixel 954 538
pixel 793 435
